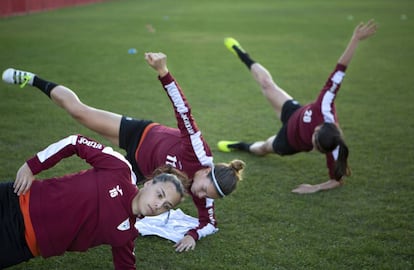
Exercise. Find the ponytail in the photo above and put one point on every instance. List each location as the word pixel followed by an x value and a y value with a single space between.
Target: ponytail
pixel 329 137
pixel 341 165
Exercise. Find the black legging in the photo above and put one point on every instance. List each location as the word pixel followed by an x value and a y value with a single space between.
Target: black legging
pixel 13 246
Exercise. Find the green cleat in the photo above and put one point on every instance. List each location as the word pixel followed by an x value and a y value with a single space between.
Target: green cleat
pixel 223 146
pixel 231 43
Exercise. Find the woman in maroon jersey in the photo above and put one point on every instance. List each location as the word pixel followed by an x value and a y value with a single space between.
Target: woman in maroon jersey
pixel 149 145
pixel 79 211
pixel 304 128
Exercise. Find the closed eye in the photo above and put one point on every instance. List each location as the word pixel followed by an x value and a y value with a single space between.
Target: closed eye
pixel 161 193
pixel 167 206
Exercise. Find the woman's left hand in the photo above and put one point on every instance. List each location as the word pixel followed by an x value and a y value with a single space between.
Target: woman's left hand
pixel 185 244
pixel 24 180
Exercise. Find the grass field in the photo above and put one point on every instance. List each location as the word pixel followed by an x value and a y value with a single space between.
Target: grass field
pixel 366 224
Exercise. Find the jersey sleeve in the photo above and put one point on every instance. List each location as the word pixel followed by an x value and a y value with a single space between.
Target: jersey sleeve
pixel 94 153
pixel 328 93
pixel 195 144
pixel 194 141
pixel 124 257
pixel 326 102
pixel 206 217
pixel 185 121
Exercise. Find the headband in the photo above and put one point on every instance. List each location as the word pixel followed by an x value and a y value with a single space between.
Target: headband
pixel 213 176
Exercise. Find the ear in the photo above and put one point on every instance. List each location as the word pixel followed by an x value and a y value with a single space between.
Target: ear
pixel 148 182
pixel 207 170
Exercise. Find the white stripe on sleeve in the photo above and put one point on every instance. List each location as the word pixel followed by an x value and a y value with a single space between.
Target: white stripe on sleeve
pixel 206 230
pixel 199 150
pixel 338 77
pixel 56 147
pixel 335 153
pixel 110 151
pixel 326 107
pixel 195 137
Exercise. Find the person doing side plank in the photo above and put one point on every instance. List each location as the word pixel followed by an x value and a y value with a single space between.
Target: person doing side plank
pixel 149 145
pixel 78 211
pixel 304 128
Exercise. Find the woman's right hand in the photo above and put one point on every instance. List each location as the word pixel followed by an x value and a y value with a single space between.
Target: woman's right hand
pixel 24 180
pixel 157 61
pixel 365 30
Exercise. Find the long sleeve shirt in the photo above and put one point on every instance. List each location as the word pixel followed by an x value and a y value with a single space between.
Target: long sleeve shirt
pixel 82 210
pixel 183 148
pixel 303 122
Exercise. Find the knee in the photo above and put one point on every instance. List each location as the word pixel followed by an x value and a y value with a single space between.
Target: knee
pixel 260 148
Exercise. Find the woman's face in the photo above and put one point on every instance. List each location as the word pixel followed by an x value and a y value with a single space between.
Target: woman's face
pixel 203 186
pixel 156 198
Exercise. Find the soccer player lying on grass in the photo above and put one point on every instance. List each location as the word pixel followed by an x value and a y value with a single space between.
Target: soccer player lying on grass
pixel 75 212
pixel 304 128
pixel 149 145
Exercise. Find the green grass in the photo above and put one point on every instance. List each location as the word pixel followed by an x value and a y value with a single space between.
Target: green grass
pixel 367 224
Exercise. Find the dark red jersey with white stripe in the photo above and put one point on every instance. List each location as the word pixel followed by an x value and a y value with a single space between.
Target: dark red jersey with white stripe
pixel 183 148
pixel 303 122
pixel 86 209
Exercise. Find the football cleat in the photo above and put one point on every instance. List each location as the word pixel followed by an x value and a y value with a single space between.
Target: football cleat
pixel 230 43
pixel 223 146
pixel 14 76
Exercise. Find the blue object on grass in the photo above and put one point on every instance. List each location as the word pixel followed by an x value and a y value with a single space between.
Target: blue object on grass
pixel 132 51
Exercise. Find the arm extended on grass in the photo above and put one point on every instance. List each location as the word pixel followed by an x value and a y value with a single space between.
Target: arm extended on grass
pixel 307 188
pixel 361 32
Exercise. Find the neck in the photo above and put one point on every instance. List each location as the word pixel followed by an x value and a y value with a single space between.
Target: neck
pixel 135 209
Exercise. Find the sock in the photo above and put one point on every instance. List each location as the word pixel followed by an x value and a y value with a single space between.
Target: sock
pixel 44 86
pixel 244 57
pixel 241 146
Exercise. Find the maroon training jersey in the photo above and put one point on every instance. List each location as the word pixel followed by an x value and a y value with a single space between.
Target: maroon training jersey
pixel 86 209
pixel 183 148
pixel 303 121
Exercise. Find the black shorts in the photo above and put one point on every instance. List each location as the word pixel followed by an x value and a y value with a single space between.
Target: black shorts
pixel 130 133
pixel 13 245
pixel 281 145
